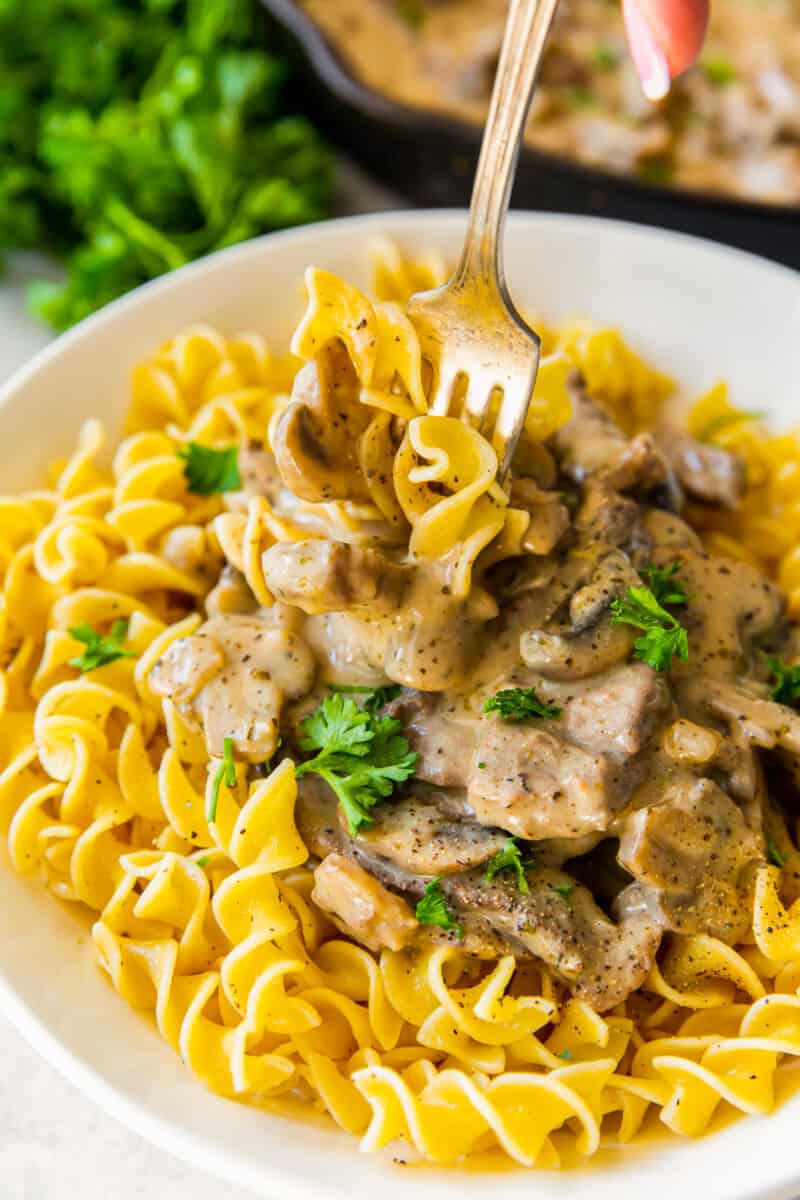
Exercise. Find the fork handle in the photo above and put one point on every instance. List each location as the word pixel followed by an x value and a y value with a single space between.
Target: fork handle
pixel 526 31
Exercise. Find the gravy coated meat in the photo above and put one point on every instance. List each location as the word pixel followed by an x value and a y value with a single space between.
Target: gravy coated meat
pixel 573 797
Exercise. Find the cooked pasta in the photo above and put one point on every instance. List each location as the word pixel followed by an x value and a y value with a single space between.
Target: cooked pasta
pixel 146 787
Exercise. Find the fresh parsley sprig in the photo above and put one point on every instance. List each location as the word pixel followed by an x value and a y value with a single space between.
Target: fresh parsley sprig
pixel 520 704
pixel 664 583
pixel 785 682
pixel 226 772
pixel 663 637
pixel 101 649
pixel 360 755
pixel 208 471
pixel 432 909
pixel 509 859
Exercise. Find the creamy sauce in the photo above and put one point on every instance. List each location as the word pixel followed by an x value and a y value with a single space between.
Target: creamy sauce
pixel 731 125
pixel 638 792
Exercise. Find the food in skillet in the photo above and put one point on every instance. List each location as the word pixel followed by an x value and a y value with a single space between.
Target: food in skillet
pixel 730 125
pixel 464 813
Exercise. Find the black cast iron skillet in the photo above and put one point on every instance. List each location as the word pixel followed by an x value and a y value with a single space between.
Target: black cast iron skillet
pixel 430 158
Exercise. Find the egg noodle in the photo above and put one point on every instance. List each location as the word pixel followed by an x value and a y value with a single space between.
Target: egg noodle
pixel 104 788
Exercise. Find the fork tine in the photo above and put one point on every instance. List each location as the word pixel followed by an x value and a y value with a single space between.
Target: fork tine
pixel 477 402
pixel 510 423
pixel 444 385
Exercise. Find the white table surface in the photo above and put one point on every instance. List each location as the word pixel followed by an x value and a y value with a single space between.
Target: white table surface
pixel 54 1143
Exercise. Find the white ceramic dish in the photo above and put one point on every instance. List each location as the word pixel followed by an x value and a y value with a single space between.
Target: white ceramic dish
pixel 699 311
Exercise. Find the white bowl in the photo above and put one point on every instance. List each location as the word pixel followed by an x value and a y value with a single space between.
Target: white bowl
pixel 697 310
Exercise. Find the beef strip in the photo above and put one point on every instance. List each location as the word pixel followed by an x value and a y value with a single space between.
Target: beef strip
pixel 603 960
pixel 707 473
pixel 536 784
pixel 694 851
pixel 360 906
pixel 617 712
pixel 445 744
pixel 319 576
pixel 591 445
pixel 230 679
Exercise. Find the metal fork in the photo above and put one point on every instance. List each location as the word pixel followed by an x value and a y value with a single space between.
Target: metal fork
pixel 470 332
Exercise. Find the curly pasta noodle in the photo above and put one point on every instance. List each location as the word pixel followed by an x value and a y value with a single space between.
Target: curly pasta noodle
pixel 104 790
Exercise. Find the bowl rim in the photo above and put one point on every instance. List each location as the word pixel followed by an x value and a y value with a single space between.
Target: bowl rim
pixel 218 258
pixel 134 1112
pixel 332 68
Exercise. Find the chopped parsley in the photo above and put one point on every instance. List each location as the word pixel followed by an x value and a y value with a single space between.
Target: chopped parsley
pixel 509 859
pixel 718 70
pixel 376 698
pixel 664 584
pixel 208 471
pixel 663 637
pixel 578 96
pixel 360 755
pixel 656 171
pixel 605 56
pixel 739 416
pixel 226 772
pixel 432 909
pixel 564 890
pixel 785 682
pixel 203 861
pixel 774 855
pixel 520 704
pixel 412 12
pixel 101 649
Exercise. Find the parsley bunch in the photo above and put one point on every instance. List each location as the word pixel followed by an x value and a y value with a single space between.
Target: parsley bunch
pixel 360 755
pixel 136 135
pixel 663 637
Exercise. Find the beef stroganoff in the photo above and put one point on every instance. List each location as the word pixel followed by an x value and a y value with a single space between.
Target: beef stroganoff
pixel 463 812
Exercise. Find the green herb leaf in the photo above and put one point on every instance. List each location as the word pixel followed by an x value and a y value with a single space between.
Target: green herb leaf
pixel 432 909
pixel 774 855
pixel 564 890
pixel 726 419
pixel 412 12
pixel 208 471
pixel 136 135
pixel 226 772
pixel 520 704
pixel 100 649
pixel 656 171
pixel 718 70
pixel 376 698
pixel 664 584
pixel 785 681
pixel 509 859
pixel 578 96
pixel 203 860
pixel 605 56
pixel 663 639
pixel 360 755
